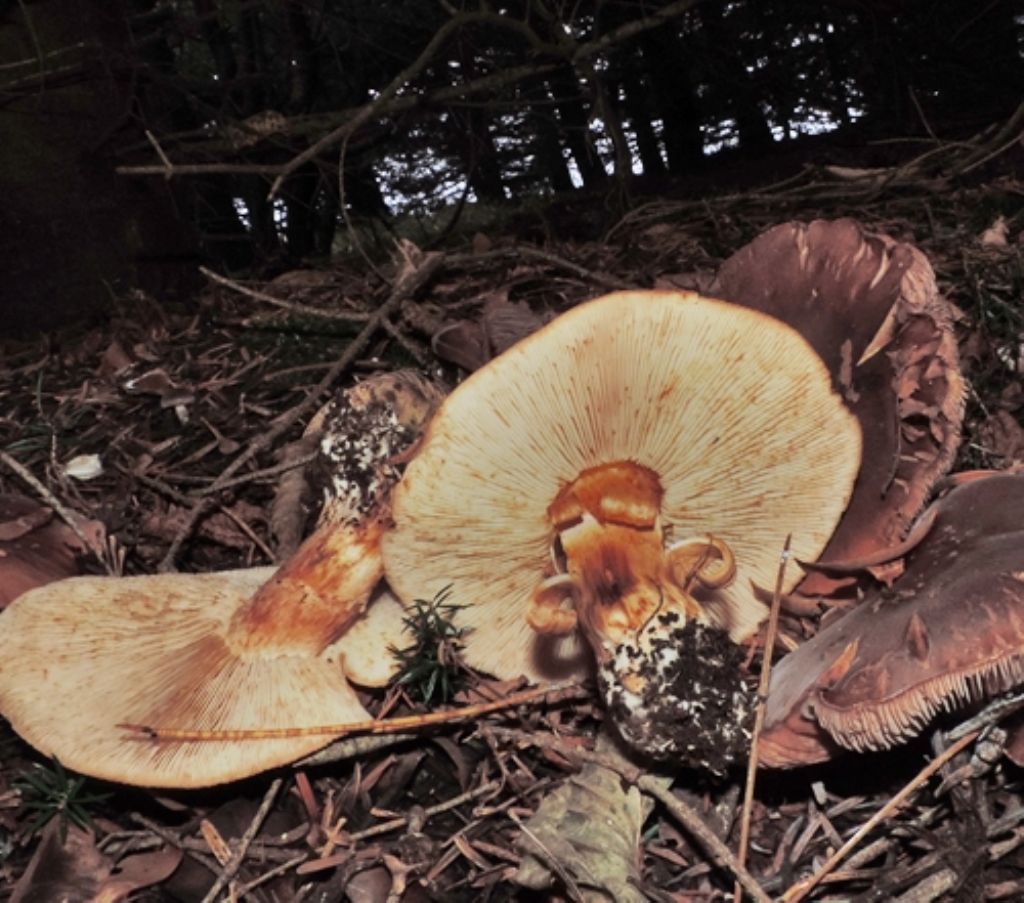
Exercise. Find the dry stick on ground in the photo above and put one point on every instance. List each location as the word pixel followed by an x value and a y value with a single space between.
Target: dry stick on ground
pixel 231 868
pixel 335 859
pixel 719 853
pixel 410 279
pixel 800 890
pixel 56 505
pixel 550 860
pixel 555 693
pixel 292 306
pixel 771 633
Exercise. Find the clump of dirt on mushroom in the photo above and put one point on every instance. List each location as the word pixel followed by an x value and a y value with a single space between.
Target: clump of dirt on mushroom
pixel 680 692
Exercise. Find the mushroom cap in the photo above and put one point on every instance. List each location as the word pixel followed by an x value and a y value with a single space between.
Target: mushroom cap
pixel 363 652
pixel 949 633
pixel 870 307
pixel 731 409
pixel 81 656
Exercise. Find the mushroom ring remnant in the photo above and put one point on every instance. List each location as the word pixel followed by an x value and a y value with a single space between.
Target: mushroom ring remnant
pixel 646 453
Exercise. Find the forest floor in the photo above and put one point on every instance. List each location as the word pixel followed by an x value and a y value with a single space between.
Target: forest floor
pixel 440 816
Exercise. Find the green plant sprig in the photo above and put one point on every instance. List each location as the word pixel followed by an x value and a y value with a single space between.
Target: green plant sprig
pixel 53 792
pixel 432 667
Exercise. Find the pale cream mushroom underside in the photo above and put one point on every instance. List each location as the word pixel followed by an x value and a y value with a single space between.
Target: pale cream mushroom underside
pixel 80 656
pixel 731 410
pixel 257 649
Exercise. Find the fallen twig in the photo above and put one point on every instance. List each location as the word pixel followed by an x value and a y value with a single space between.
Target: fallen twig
pixel 231 868
pixel 554 693
pixel 801 889
pixel 762 698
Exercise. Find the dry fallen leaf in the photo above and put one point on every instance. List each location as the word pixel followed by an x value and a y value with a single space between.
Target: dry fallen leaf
pixel 995 235
pixel 36 547
pixel 590 826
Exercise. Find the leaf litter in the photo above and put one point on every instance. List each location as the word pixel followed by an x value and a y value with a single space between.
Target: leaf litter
pixel 167 400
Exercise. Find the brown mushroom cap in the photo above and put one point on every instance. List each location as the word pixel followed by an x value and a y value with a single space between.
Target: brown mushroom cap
pixel 949 633
pixel 869 306
pixel 730 409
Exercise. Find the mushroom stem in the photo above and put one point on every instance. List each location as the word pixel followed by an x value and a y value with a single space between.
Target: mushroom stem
pixel 317 594
pixel 608 525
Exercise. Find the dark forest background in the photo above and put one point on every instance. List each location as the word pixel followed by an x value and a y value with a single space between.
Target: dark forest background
pixel 139 139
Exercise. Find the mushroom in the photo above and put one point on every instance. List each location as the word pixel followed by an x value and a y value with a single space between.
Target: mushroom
pixel 632 467
pixel 238 650
pixel 950 632
pixel 869 306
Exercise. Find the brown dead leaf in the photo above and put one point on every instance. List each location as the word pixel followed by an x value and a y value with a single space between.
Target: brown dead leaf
pixel 72 872
pixel 369 886
pixel 37 548
pixel 1003 435
pixel 136 872
pixel 115 360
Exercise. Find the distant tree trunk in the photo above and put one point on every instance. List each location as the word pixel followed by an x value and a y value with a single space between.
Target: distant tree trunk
pixel 737 85
pixel 883 75
pixel 299 195
pixel 546 140
pixel 71 230
pixel 475 143
pixel 636 92
pixel 574 117
pixel 673 98
pixel 481 156
pixel 607 111
pixel 840 73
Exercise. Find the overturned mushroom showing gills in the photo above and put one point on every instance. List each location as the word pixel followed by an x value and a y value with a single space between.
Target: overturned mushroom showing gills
pixel 239 650
pixel 633 466
pixel 949 633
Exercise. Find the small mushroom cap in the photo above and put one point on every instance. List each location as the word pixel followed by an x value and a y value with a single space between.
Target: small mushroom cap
pixel 81 656
pixel 731 409
pixel 951 632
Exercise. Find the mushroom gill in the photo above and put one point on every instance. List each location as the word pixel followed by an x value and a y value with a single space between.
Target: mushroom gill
pixel 238 650
pixel 949 633
pixel 643 456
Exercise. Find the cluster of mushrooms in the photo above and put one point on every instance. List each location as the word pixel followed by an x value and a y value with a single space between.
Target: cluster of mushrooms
pixel 610 495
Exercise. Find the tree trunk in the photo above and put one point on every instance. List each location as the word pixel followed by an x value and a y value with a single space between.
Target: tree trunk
pixel 62 200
